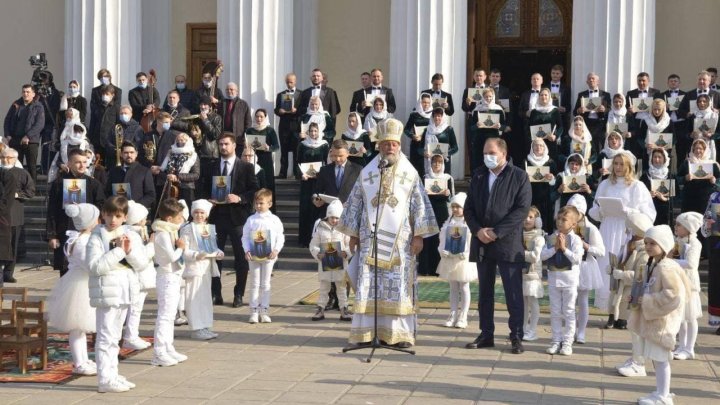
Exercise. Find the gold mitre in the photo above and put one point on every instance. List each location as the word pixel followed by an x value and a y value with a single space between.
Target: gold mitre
pixel 390 130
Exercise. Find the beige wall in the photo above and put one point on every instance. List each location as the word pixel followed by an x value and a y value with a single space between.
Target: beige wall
pixel 350 43
pixel 183 12
pixel 685 40
pixel 30 27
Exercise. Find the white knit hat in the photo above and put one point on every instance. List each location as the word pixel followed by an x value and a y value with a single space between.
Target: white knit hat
pixel 83 215
pixel 136 213
pixel 663 236
pixel 692 221
pixel 203 205
pixel 334 209
pixel 459 199
pixel 578 202
pixel 638 223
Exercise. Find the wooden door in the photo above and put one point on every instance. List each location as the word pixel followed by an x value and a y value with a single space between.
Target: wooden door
pixel 201 47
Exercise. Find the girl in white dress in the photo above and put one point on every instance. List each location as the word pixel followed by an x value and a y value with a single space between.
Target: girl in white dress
pixel 69 301
pixel 534 241
pixel 688 248
pixel 635 197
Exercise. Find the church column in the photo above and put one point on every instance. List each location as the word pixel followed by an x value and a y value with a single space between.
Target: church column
pixel 156 45
pixel 305 40
pixel 428 37
pixel 616 40
pixel 103 34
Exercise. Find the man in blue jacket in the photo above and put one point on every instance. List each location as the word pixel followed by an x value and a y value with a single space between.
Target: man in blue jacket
pixel 497 204
pixel 23 123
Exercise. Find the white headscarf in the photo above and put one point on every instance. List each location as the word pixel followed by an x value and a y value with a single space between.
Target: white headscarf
pixel 585 138
pixel 547 107
pixel 616 116
pixel 581 171
pixel 432 175
pixel 659 173
pixel 485 106
pixel 354 134
pixel 610 152
pixel 263 124
pixel 655 125
pixel 317 116
pixel 419 108
pixel 536 160
pixel 314 143
pixel 705 157
pixel 707 113
pixel 374 118
pixel 431 135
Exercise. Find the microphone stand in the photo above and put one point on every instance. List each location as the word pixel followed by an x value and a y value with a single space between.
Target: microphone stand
pixel 375 343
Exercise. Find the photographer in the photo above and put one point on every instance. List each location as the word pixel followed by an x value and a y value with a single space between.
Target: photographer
pixel 24 123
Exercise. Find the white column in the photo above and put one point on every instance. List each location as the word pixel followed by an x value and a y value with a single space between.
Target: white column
pixel 156 45
pixel 428 37
pixel 103 34
pixel 305 40
pixel 615 39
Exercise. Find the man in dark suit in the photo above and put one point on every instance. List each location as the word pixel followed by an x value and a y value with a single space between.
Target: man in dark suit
pixel 703 87
pixel 469 103
pixel 141 99
pixel 520 146
pixel 497 204
pixel 177 111
pixel 142 187
pixel 336 180
pixel 289 123
pixel 229 218
pixel 561 94
pixel 105 78
pixel 643 90
pixel 679 128
pixel 376 88
pixel 24 123
pixel 357 104
pixel 595 120
pixel 24 190
pixel 236 114
pixel 328 97
pixel 437 93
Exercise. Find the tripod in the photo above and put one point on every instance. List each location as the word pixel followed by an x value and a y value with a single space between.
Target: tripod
pixel 375 343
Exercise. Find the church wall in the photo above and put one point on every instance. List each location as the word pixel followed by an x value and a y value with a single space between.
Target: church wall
pixel 183 12
pixel 350 41
pixel 30 27
pixel 685 40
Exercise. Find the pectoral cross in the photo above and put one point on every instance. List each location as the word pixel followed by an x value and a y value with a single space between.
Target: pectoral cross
pixel 371 177
pixel 403 178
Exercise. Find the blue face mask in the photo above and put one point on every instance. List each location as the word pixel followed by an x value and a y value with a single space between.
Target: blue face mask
pixel 105 80
pixel 142 85
pixel 180 86
pixel 125 118
pixel 166 126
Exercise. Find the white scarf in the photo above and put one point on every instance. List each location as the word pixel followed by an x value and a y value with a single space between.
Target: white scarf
pixel 430 174
pixel 431 137
pixel 705 157
pixel 487 106
pixel 659 173
pixel 536 160
pixel 188 148
pixel 707 113
pixel 544 108
pixel 164 226
pixel 656 126
pixel 379 115
pixel 262 125
pixel 318 117
pixel 356 133
pixel 314 143
pixel 619 115
pixel 581 171
pixel 419 109
pixel 610 152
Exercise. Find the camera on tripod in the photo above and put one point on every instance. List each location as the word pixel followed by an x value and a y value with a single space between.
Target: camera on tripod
pixel 38 61
pixel 41 78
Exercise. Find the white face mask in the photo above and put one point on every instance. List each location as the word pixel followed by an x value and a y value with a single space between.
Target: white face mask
pixel 105 80
pixel 165 126
pixel 125 118
pixel 106 99
pixel 73 91
pixel 207 83
pixel 491 161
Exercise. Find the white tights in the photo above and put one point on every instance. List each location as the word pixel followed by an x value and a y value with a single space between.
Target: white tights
pixel 662 377
pixel 459 296
pixel 688 336
pixel 531 314
pixel 583 313
pixel 78 347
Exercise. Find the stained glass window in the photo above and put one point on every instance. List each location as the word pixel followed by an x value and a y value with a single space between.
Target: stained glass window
pixel 508 20
pixel 550 22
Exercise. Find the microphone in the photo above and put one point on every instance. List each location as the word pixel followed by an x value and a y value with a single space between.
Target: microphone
pixel 383 163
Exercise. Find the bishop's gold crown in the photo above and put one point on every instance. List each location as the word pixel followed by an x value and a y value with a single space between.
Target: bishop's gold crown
pixel 390 130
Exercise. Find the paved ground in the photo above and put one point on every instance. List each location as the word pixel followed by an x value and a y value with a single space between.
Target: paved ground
pixel 294 360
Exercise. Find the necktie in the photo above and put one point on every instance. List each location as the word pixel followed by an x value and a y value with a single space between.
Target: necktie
pixel 229 114
pixel 339 177
pixel 225 168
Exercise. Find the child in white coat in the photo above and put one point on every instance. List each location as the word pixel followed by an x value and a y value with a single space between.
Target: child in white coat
pixel 331 269
pixel 263 239
pixel 69 307
pixel 200 266
pixel 454 265
pixel 563 255
pixel 689 247
pixel 533 241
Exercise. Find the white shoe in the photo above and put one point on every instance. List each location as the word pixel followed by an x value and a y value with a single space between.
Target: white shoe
pixel 135 344
pixel 201 334
pixel 683 355
pixel 461 322
pixel 265 318
pixel 655 399
pixel 530 336
pixel 163 360
pixel 632 370
pixel 211 333
pixel 254 318
pixel 180 320
pixel 553 349
pixel 628 362
pixel 450 321
pixel 179 357
pixel 85 369
pixel 580 339
pixel 113 386
pixel 566 349
pixel 125 381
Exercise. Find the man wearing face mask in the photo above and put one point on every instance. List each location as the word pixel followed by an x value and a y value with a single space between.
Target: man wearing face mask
pixel 498 202
pixel 105 78
pixel 132 132
pixel 72 99
pixel 208 89
pixel 140 98
pixel 210 126
pixel 188 98
pixel 103 119
pixel 236 114
pixel 57 221
pixel 177 111
pixel 158 142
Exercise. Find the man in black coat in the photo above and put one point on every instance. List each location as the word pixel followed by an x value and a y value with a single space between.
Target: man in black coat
pixel 177 111
pixel 236 114
pixel 210 125
pixel 188 98
pixel 57 221
pixel 595 120
pixel 105 78
pixel 328 97
pixel 229 218
pixel 131 132
pixel 103 119
pixel 498 202
pixel 377 88
pixel 357 104
pixel 678 125
pixel 143 97
pixel 436 92
pixel 561 94
pixel 142 187
pixel 520 145
pixel 24 123
pixel 24 190
pixel 337 179
pixel 289 123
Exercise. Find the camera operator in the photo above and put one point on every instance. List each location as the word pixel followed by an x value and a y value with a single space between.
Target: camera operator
pixel 24 123
pixel 49 97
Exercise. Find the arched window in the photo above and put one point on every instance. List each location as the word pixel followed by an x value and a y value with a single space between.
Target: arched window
pixel 508 20
pixel 550 19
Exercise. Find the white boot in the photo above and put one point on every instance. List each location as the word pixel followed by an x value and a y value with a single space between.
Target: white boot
pixel 461 321
pixel 451 319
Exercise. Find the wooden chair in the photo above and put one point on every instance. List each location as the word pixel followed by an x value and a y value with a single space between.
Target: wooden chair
pixel 7 317
pixel 29 316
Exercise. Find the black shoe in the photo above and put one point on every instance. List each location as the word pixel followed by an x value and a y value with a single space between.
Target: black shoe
pixel 218 300
pixel 717 331
pixel 480 342
pixel 517 346
pixel 403 345
pixel 620 324
pixel 610 322
pixel 10 279
pixel 237 301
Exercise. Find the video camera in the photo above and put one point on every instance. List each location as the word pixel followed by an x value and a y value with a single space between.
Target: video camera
pixel 42 78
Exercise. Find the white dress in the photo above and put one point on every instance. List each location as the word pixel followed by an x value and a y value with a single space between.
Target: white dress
pixel 456 268
pixel 534 242
pixel 590 276
pixel 689 260
pixel 635 198
pixel 69 301
pixel 198 277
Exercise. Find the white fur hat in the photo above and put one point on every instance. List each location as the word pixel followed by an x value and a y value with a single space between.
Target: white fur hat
pixel 136 213
pixel 203 205
pixel 692 221
pixel 638 223
pixel 663 236
pixel 83 215
pixel 459 199
pixel 334 209
pixel 579 202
